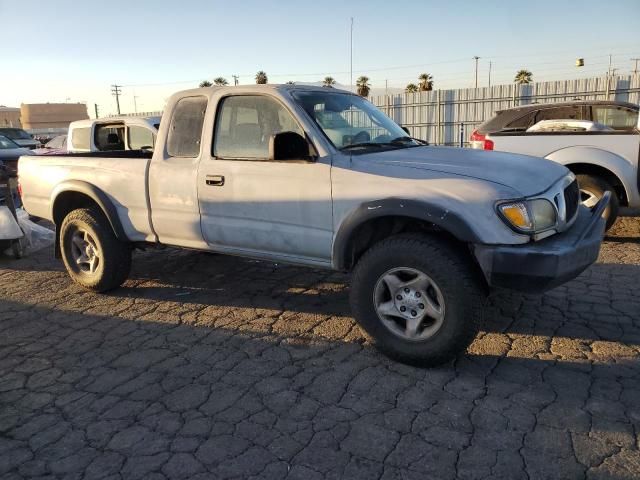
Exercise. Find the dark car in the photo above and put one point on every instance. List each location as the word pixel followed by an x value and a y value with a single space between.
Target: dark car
pixel 19 136
pixel 10 152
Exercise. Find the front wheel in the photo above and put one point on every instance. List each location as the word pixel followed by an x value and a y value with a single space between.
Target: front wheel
pixel 418 298
pixel 592 190
pixel 92 254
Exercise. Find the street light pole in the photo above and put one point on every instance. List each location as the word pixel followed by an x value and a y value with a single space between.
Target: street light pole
pixel 489 74
pixel 476 59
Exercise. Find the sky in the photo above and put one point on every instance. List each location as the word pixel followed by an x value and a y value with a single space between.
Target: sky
pixel 70 51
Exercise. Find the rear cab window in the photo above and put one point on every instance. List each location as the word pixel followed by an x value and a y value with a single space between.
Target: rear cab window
pixel 109 136
pixel 185 129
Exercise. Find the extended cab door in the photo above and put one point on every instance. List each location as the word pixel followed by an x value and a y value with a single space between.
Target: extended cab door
pixel 173 174
pixel 259 207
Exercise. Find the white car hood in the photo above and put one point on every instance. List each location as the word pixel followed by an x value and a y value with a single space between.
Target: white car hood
pixel 525 174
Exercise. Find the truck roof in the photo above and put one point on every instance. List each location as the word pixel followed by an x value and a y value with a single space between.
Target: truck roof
pixel 262 87
pixel 118 118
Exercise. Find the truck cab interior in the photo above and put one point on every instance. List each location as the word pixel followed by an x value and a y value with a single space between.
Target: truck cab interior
pixel 109 137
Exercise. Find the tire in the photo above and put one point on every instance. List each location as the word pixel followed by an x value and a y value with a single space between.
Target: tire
pixel 453 287
pixel 592 189
pixel 113 263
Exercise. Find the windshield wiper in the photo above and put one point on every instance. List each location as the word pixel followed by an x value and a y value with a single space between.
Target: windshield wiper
pixel 409 139
pixel 368 144
pixel 399 142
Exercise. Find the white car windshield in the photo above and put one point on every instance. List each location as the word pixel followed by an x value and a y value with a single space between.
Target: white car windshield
pixel 352 123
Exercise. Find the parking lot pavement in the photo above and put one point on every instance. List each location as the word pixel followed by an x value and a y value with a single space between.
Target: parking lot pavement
pixel 207 366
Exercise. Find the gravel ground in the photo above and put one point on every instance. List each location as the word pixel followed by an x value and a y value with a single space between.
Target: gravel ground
pixel 205 366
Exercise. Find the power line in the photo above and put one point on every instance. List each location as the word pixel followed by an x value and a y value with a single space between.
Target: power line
pixel 382 69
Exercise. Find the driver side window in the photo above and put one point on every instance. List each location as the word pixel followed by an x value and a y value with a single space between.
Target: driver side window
pixel 245 124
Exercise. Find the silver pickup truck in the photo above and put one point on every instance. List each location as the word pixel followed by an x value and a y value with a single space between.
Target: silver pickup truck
pixel 320 177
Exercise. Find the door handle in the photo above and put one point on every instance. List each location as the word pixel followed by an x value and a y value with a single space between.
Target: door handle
pixel 215 180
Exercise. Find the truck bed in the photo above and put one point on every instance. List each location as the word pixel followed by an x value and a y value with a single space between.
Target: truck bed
pixel 120 175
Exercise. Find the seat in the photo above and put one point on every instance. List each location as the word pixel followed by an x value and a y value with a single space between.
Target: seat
pixel 113 142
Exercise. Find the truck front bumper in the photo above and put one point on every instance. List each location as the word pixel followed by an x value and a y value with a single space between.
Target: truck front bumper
pixel 543 265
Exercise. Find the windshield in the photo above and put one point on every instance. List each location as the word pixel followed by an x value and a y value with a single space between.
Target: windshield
pixel 351 122
pixel 6 144
pixel 15 134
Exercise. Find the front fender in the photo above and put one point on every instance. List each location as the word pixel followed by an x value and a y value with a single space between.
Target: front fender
pixel 399 207
pixel 621 168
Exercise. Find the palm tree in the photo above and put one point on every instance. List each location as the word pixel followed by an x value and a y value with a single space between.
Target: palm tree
pixel 411 88
pixel 205 83
pixel 328 82
pixel 261 78
pixel 220 81
pixel 363 86
pixel 523 77
pixel 426 82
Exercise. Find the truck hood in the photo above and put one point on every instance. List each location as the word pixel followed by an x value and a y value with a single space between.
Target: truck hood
pixel 527 175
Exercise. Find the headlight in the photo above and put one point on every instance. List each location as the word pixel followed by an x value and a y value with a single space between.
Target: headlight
pixel 543 213
pixel 529 216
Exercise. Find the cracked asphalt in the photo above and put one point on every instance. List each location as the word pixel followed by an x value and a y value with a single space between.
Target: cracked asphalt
pixel 206 366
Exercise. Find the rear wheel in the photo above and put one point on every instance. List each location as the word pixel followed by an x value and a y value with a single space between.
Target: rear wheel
pixel 92 254
pixel 418 298
pixel 592 190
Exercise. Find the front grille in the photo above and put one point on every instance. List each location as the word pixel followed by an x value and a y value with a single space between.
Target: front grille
pixel 571 199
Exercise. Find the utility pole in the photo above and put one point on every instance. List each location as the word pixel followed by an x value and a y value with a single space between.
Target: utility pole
pixel 95 107
pixel 116 92
pixel 135 104
pixel 235 80
pixel 476 59
pixel 386 87
pixel 608 79
pixel 490 74
pixel 635 68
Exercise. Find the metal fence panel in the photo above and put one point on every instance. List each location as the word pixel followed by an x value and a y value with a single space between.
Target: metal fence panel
pixel 436 116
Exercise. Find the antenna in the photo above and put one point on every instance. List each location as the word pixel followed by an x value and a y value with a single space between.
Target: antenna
pixel 351 57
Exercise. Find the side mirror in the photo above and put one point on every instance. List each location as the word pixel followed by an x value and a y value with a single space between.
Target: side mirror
pixel 288 146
